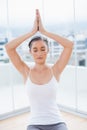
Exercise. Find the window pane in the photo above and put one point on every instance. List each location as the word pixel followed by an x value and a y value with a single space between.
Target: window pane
pixel 81 41
pixel 20 98
pixel 6 103
pixel 81 31
pixel 59 18
pixel 21 19
pixel 21 15
pixel 3 30
pixel 6 100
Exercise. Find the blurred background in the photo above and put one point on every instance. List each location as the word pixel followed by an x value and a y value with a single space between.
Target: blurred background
pixel 66 18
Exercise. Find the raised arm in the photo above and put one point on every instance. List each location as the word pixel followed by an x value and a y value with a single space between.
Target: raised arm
pixel 65 55
pixel 12 53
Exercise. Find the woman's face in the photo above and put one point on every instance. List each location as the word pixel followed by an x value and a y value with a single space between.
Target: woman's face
pixel 39 51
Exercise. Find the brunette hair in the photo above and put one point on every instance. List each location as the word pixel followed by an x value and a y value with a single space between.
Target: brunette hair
pixel 37 38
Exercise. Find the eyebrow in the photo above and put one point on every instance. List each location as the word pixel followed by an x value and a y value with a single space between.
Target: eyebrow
pixel 41 47
pixel 34 48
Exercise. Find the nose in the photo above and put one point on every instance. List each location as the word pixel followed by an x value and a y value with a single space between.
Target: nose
pixel 39 53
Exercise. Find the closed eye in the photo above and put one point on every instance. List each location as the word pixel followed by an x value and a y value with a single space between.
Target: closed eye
pixel 35 50
pixel 43 50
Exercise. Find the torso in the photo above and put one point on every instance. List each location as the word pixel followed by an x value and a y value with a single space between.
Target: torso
pixel 41 77
pixel 42 92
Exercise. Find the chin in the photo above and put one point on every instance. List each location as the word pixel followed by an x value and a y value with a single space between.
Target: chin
pixel 40 62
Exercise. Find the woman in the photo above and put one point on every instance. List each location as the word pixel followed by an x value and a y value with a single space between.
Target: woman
pixel 41 80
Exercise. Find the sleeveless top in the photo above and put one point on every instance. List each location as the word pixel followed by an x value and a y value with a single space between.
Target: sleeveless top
pixel 43 104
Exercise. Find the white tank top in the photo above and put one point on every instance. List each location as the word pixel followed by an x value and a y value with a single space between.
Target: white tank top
pixel 42 99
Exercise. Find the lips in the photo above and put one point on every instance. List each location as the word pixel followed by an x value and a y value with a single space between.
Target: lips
pixel 40 58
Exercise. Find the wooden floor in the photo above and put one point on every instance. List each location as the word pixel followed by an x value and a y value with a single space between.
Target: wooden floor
pixel 20 122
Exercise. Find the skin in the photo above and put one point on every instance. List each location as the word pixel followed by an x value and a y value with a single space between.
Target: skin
pixel 39 52
pixel 40 72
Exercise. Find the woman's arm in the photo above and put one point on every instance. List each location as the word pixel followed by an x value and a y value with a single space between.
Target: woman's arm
pixel 12 53
pixel 65 55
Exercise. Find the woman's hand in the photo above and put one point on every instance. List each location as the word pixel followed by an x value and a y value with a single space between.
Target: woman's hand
pixel 36 24
pixel 40 27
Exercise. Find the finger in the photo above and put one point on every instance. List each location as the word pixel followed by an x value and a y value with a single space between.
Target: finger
pixel 37 24
pixel 37 11
pixel 38 14
pixel 37 17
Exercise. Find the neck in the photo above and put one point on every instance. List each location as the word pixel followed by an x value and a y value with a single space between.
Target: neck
pixel 40 66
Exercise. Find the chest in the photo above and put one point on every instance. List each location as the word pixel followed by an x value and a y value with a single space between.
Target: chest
pixel 42 92
pixel 40 78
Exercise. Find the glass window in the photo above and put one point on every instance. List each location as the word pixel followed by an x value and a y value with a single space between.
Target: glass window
pixel 6 103
pixel 66 18
pixel 81 44
pixel 59 18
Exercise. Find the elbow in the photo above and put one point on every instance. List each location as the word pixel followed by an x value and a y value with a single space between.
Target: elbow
pixel 7 47
pixel 69 45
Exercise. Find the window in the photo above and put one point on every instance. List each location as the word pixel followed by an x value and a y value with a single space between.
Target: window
pixel 66 18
